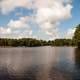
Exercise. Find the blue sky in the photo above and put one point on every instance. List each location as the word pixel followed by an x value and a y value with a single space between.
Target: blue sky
pixel 36 19
pixel 75 20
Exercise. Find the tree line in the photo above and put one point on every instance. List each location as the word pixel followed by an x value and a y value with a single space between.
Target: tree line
pixel 30 42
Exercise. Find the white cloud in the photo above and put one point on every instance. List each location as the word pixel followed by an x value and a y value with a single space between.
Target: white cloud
pixel 18 24
pixel 53 13
pixel 9 5
pixel 5 30
pixel 70 33
pixel 48 13
pixel 49 29
pixel 16 29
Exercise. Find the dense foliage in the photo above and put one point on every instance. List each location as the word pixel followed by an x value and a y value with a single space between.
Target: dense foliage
pixel 30 42
pixel 21 42
pixel 76 37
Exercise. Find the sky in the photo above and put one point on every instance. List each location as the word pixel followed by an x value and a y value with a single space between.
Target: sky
pixel 40 19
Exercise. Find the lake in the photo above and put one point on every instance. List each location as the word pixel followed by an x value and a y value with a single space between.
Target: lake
pixel 40 63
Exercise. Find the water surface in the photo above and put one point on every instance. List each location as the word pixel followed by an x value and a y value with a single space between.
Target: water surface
pixel 40 63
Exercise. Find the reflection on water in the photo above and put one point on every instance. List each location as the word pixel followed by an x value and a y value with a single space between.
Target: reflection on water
pixel 77 64
pixel 40 63
pixel 77 58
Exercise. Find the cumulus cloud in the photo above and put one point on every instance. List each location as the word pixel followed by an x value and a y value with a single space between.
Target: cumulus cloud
pixel 18 24
pixel 47 14
pixel 50 12
pixel 9 5
pixel 49 29
pixel 16 29
pixel 5 30
pixel 55 10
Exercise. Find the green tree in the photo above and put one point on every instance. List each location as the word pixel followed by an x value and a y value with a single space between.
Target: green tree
pixel 76 37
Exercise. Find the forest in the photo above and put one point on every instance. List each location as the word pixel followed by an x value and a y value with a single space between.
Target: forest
pixel 30 42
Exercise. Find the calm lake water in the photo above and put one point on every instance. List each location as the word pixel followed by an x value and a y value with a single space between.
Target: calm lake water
pixel 40 63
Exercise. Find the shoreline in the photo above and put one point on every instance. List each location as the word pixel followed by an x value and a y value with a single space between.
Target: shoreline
pixel 34 46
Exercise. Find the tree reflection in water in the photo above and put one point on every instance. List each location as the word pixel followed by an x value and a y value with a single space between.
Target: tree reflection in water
pixel 77 64
pixel 77 58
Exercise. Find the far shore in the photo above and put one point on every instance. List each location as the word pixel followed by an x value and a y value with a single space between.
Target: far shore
pixel 32 46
